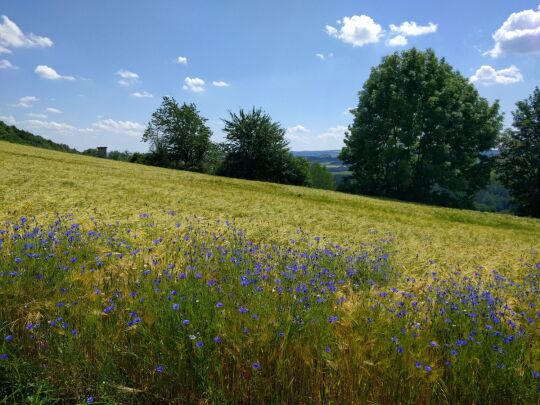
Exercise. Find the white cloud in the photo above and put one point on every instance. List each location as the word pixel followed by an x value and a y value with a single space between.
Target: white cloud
pixel 52 125
pixel 487 75
pixel 8 119
pixel 297 133
pixel 195 84
pixel 37 115
pixel 122 127
pixel 411 29
pixel 335 133
pixel 349 111
pixel 6 64
pixel 26 101
pixel 11 36
pixel 142 94
pixel 127 78
pixel 519 34
pixel 358 30
pixel 320 56
pixel 398 40
pixel 46 72
pixel 54 110
pixel 408 29
pixel 220 83
pixel 182 60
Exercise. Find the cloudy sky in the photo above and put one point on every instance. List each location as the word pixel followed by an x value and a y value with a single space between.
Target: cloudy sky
pixel 91 73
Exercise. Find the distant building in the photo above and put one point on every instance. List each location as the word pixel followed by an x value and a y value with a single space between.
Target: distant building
pixel 102 151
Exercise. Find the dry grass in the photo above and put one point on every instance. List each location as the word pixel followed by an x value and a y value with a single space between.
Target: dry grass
pixel 35 181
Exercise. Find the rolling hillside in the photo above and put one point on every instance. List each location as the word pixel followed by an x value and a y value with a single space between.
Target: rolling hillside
pixel 35 181
pixel 123 283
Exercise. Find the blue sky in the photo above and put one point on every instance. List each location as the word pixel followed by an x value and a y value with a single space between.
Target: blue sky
pixel 91 73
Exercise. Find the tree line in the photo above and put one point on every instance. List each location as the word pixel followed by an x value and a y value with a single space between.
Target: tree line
pixel 421 132
pixel 255 147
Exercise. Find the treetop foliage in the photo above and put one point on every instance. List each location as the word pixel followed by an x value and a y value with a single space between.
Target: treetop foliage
pixel 419 132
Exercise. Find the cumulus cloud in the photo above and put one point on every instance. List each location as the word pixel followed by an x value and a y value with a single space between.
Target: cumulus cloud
pixel 26 101
pixel 408 29
pixel 142 94
pixel 411 29
pixel 46 72
pixel 6 64
pixel 122 127
pixel 220 83
pixel 519 34
pixel 194 84
pixel 127 78
pixel 54 110
pixel 11 36
pixel 358 30
pixel 487 75
pixel 182 60
pixel 362 30
pixel 8 119
pixel 398 40
pixel 335 133
pixel 298 132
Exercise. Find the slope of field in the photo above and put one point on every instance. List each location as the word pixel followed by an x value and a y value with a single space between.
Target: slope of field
pixel 122 283
pixel 34 181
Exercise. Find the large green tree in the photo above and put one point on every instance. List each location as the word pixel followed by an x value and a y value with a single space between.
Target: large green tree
pixel 178 136
pixel 519 160
pixel 256 149
pixel 420 132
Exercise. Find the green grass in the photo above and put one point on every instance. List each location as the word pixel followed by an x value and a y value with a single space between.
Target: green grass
pixel 344 294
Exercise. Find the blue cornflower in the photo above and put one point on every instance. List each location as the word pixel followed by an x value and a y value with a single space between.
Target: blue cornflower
pixel 400 349
pixel 433 344
pixel 160 368
pixel 8 338
pixel 175 306
pixel 217 339
pixel 332 319
pixel 453 352
pixel 185 322
pixel 89 400
pixel 535 374
pixel 327 349
pixel 418 364
pixel 427 368
pixel 219 305
pixel 74 332
pixel 199 344
pixel 4 356
pixel 281 334
pixel 256 365
pixel 243 310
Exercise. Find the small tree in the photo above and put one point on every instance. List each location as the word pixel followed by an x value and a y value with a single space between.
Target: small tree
pixel 420 132
pixel 178 136
pixel 321 177
pixel 519 160
pixel 256 149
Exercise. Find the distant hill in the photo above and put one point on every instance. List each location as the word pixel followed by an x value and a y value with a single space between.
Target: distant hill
pixel 329 159
pixel 10 133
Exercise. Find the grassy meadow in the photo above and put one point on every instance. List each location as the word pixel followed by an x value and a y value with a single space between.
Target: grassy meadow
pixel 123 283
